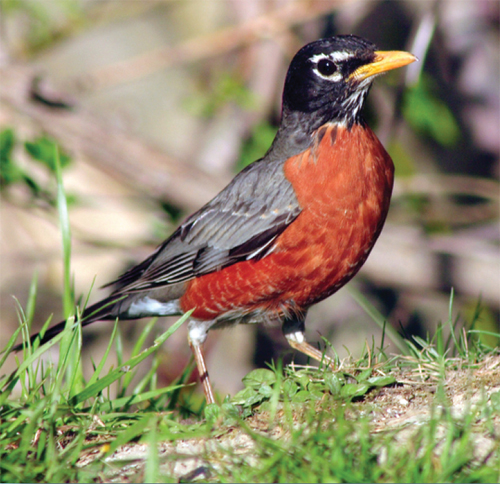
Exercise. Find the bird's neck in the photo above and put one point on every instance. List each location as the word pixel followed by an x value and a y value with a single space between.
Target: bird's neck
pixel 297 132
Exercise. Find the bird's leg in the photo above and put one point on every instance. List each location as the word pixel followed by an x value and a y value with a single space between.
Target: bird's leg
pixel 197 334
pixel 202 370
pixel 293 329
pixel 298 342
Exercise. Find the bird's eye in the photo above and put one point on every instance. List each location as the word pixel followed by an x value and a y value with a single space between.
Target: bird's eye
pixel 326 67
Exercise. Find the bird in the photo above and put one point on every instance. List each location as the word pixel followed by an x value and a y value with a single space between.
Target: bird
pixel 291 228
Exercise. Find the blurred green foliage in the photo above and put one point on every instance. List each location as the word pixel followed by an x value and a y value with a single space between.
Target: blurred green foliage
pixel 9 170
pixel 46 21
pixel 428 114
pixel 41 150
pixel 225 89
pixel 403 161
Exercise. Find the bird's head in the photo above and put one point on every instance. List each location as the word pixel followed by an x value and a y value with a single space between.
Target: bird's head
pixel 330 78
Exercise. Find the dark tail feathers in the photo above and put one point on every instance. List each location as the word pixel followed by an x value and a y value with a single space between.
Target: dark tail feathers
pixel 99 311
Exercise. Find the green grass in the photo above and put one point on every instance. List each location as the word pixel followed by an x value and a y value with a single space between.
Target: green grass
pixel 294 424
pixel 334 443
pixel 313 425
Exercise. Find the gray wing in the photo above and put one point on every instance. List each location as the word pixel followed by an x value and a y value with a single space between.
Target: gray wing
pixel 240 223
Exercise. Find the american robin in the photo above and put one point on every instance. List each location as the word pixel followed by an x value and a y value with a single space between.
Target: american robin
pixel 291 228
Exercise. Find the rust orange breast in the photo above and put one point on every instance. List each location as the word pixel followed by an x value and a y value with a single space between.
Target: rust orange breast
pixel 343 184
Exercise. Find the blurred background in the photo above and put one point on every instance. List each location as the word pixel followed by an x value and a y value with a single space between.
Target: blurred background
pixel 157 104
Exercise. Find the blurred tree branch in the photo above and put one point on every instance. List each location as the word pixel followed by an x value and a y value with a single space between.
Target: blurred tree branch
pixel 124 155
pixel 269 25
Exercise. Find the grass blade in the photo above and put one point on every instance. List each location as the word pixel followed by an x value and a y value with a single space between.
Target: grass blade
pixel 99 368
pixel 136 399
pixel 379 320
pixel 62 207
pixel 135 430
pixel 98 386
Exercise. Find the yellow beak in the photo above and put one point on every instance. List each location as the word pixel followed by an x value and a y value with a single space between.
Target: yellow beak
pixel 384 61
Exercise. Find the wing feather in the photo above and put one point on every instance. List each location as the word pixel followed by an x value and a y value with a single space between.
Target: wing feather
pixel 241 223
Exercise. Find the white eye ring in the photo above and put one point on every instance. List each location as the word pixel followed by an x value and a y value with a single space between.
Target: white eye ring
pixel 334 57
pixel 335 77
